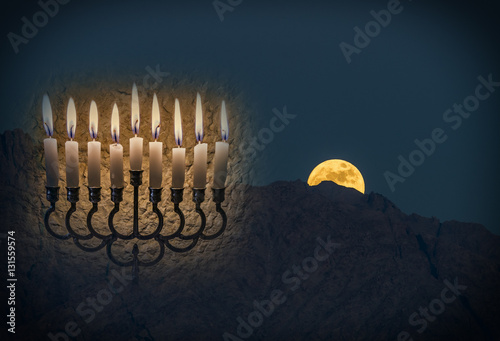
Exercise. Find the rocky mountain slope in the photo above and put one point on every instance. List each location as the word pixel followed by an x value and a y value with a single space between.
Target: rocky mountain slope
pixel 295 263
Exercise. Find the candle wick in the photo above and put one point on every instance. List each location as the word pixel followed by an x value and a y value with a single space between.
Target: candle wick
pixel 48 129
pixel 157 131
pixel 93 139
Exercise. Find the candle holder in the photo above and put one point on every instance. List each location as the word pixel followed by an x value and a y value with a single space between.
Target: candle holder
pixel 117 197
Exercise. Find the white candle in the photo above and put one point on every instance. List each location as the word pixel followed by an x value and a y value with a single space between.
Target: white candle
pixel 136 153
pixel 221 151
pixel 155 148
pixel 116 165
pixel 51 162
pixel 94 149
pixel 94 154
pixel 155 166
pixel 200 150
pixel 50 145
pixel 72 177
pixel 178 167
pixel 116 152
pixel 71 148
pixel 178 154
pixel 135 142
pixel 200 165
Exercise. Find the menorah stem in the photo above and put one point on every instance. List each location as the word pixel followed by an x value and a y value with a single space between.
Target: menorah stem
pixel 136 211
pixel 136 181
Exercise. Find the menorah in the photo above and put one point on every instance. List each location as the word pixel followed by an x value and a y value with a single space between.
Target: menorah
pixel 117 183
pixel 117 197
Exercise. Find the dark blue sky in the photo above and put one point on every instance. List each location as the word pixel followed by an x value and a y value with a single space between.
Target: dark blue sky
pixel 286 53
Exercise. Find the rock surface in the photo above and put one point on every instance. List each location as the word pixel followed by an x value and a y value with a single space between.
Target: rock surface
pixel 383 268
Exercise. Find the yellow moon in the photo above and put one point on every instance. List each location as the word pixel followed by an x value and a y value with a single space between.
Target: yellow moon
pixel 339 171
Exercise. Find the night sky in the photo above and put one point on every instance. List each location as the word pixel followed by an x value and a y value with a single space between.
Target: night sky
pixel 401 86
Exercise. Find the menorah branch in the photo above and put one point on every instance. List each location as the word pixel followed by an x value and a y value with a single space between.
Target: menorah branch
pixel 218 197
pixel 53 197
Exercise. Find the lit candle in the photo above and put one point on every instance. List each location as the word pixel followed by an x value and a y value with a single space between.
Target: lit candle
pixel 155 148
pixel 50 145
pixel 94 149
pixel 71 147
pixel 135 142
pixel 221 151
pixel 200 150
pixel 178 154
pixel 116 152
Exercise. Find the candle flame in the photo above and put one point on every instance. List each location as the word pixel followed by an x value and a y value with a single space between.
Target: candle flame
pixel 178 124
pixel 115 125
pixel 93 120
pixel 135 118
pixel 155 121
pixel 224 124
pixel 199 119
pixel 71 118
pixel 48 124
